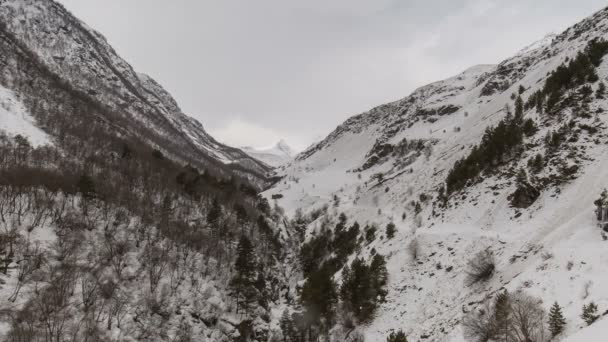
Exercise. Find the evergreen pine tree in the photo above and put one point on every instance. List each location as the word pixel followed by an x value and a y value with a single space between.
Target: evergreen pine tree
pixel 126 153
pixel 390 230
pixel 379 277
pixel 601 91
pixel 215 212
pixel 399 336
pixel 165 211
pixel 502 316
pixel 243 283
pixel 287 327
pixel 319 294
pixel 590 313
pixel 521 89
pixel 519 110
pixel 556 320
pixel 86 186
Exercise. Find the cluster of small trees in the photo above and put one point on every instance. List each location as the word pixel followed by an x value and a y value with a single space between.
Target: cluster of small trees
pixel 579 71
pixel 497 143
pixel 363 287
pixel 363 283
pixel 503 140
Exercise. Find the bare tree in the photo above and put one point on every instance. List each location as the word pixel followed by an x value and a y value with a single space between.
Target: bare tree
pixel 479 325
pixel 528 319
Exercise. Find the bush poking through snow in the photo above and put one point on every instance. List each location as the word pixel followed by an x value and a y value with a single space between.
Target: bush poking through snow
pixel 398 336
pixel 590 313
pixel 414 248
pixel 390 230
pixel 480 268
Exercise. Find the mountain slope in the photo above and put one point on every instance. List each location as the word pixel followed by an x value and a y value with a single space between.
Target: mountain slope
pixel 391 163
pixel 121 219
pixel 43 36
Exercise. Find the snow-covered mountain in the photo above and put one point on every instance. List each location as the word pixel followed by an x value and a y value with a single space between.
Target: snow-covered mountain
pixel 274 156
pixel 121 219
pixel 48 53
pixel 391 164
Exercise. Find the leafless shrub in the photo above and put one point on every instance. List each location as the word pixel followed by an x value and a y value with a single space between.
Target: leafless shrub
pixel 414 249
pixel 29 259
pixel 587 289
pixel 528 319
pixel 480 268
pixel 546 256
pixel 479 325
pixel 417 221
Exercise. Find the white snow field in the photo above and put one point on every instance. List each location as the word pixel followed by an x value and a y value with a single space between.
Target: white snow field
pixel 14 119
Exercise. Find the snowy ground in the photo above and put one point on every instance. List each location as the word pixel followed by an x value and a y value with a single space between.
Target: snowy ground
pixel 14 119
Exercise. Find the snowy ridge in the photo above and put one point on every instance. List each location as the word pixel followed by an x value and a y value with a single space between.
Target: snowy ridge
pixel 538 249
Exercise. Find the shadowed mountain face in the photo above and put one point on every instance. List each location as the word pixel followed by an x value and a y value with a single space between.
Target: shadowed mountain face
pixel 49 58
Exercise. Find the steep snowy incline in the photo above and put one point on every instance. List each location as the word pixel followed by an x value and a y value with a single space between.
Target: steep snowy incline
pixel 15 120
pixel 391 163
pixel 81 59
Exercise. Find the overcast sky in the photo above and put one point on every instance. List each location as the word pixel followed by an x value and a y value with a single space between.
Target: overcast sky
pixel 255 71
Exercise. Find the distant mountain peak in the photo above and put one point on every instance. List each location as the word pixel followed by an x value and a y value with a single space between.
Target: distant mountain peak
pixel 278 154
pixel 283 146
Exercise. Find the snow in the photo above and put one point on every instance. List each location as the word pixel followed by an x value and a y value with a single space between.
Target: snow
pixel 552 250
pixel 14 119
pixel 594 333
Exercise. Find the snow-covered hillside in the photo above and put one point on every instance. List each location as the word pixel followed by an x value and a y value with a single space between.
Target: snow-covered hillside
pixel 390 164
pixel 43 41
pixel 276 155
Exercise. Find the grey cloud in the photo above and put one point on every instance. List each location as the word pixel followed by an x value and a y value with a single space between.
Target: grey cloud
pixel 298 68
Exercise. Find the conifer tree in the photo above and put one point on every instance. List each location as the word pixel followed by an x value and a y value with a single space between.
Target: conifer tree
pixel 319 294
pixel 590 313
pixel 521 89
pixel 86 186
pixel 519 110
pixel 556 320
pixel 601 90
pixel 215 212
pixel 390 230
pixel 502 316
pixel 363 287
pixel 165 212
pixel 287 327
pixel 243 283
